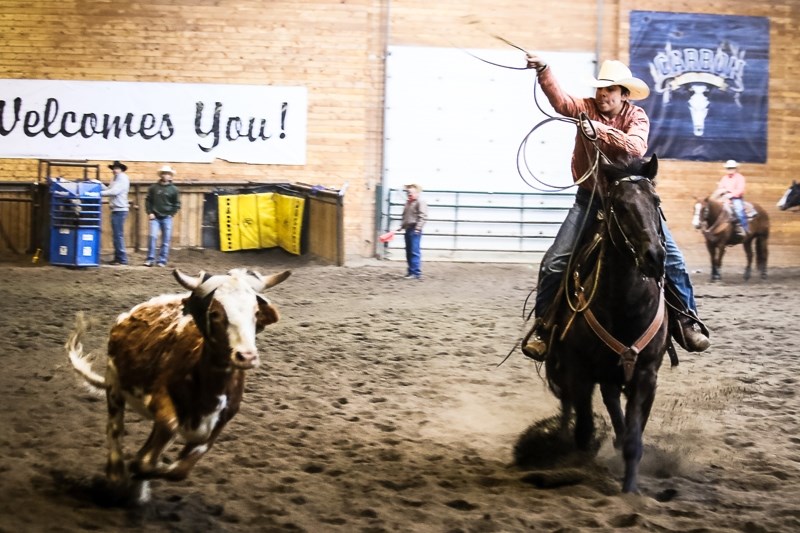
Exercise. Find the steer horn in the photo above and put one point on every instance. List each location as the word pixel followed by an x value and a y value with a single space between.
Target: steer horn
pixel 188 281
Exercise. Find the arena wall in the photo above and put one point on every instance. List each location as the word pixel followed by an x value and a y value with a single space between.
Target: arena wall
pixel 336 50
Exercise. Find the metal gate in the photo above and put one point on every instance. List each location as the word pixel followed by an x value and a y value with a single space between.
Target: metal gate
pixel 479 226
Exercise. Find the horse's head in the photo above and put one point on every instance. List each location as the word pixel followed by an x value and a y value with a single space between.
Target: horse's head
pixel 633 214
pixel 708 210
pixel 700 212
pixel 790 198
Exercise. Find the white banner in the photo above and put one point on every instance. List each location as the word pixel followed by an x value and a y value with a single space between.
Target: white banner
pixel 137 121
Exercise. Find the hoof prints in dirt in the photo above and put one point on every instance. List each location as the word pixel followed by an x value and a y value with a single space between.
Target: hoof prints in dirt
pixel 379 407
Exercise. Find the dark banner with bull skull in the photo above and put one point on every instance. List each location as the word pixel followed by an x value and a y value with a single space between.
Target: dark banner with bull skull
pixel 708 78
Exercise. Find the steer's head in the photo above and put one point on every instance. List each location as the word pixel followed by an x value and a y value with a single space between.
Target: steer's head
pixel 229 311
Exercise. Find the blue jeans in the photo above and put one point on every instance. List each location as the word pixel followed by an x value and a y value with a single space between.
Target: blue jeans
pixel 738 208
pixel 164 225
pixel 413 254
pixel 555 260
pixel 118 235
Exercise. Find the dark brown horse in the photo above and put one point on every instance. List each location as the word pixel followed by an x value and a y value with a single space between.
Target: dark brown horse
pixel 715 218
pixel 612 326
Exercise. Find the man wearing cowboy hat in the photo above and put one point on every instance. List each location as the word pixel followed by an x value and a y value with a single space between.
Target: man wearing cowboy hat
pixel 118 191
pixel 161 204
pixel 415 213
pixel 620 130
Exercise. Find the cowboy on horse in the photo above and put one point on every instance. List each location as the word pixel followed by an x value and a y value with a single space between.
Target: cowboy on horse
pixel 731 188
pixel 618 128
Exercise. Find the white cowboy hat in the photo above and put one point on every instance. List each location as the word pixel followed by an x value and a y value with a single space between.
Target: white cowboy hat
pixel 166 169
pixel 730 163
pixel 614 72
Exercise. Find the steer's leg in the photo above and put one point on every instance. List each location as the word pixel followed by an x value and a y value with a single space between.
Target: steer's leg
pixel 190 454
pixel 121 488
pixel 165 426
pixel 146 461
pixel 188 457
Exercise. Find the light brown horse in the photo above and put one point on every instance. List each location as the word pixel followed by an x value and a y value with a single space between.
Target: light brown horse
pixel 715 217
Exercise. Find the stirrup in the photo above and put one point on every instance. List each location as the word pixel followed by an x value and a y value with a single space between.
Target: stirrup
pixel 533 346
pixel 691 335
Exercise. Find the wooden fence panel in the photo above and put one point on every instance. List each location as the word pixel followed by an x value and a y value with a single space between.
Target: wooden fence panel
pixel 16 205
pixel 324 231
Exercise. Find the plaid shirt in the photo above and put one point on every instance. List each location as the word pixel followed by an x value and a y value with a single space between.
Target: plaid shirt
pixel 617 137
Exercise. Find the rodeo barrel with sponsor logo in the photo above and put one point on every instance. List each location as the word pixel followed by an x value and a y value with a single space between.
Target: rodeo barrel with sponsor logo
pixel 75 217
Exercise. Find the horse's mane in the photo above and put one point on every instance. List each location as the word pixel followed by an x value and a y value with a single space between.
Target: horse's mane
pixel 718 195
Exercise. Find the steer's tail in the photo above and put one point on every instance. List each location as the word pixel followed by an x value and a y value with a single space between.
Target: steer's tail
pixel 80 361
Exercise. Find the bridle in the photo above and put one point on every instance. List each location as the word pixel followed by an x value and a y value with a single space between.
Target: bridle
pixel 612 218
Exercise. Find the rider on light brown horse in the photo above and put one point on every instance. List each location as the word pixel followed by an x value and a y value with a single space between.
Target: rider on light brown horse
pixel 732 185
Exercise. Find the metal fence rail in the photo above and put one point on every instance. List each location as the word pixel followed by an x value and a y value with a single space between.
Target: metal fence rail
pixel 480 226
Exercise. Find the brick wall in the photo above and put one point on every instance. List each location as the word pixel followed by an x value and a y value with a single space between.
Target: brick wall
pixel 335 49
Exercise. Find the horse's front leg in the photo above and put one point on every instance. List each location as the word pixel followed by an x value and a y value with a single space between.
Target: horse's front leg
pixel 748 250
pixel 584 417
pixel 611 398
pixel 716 271
pixel 640 400
pixel 712 253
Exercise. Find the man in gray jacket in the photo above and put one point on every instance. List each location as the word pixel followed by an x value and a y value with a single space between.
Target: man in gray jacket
pixel 118 201
pixel 415 214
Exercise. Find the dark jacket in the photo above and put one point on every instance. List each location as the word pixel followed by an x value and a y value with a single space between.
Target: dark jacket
pixel 163 200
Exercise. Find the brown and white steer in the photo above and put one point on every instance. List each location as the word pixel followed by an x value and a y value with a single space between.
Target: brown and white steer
pixel 179 360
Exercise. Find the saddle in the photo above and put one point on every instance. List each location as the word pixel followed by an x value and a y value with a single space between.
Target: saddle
pixel 739 232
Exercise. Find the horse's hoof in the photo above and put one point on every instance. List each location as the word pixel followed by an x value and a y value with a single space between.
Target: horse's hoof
pixel 716 277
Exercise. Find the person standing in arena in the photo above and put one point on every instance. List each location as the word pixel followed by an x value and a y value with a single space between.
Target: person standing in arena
pixel 415 214
pixel 162 203
pixel 117 192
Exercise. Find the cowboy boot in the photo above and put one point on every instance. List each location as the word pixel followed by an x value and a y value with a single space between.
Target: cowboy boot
pixel 533 344
pixel 690 333
pixel 741 232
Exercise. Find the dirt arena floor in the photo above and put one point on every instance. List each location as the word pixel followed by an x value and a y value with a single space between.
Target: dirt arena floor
pixel 380 406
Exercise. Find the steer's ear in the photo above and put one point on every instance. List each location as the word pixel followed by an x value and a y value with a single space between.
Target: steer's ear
pixel 266 314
